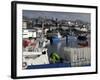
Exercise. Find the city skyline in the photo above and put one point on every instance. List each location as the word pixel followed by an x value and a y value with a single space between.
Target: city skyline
pixel 60 15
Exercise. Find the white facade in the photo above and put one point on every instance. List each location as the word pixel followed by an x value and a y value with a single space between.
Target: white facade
pixel 24 25
pixel 27 34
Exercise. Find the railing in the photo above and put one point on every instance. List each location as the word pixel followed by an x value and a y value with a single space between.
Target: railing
pixel 79 56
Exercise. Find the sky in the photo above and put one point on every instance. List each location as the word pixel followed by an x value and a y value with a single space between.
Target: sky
pixel 60 15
